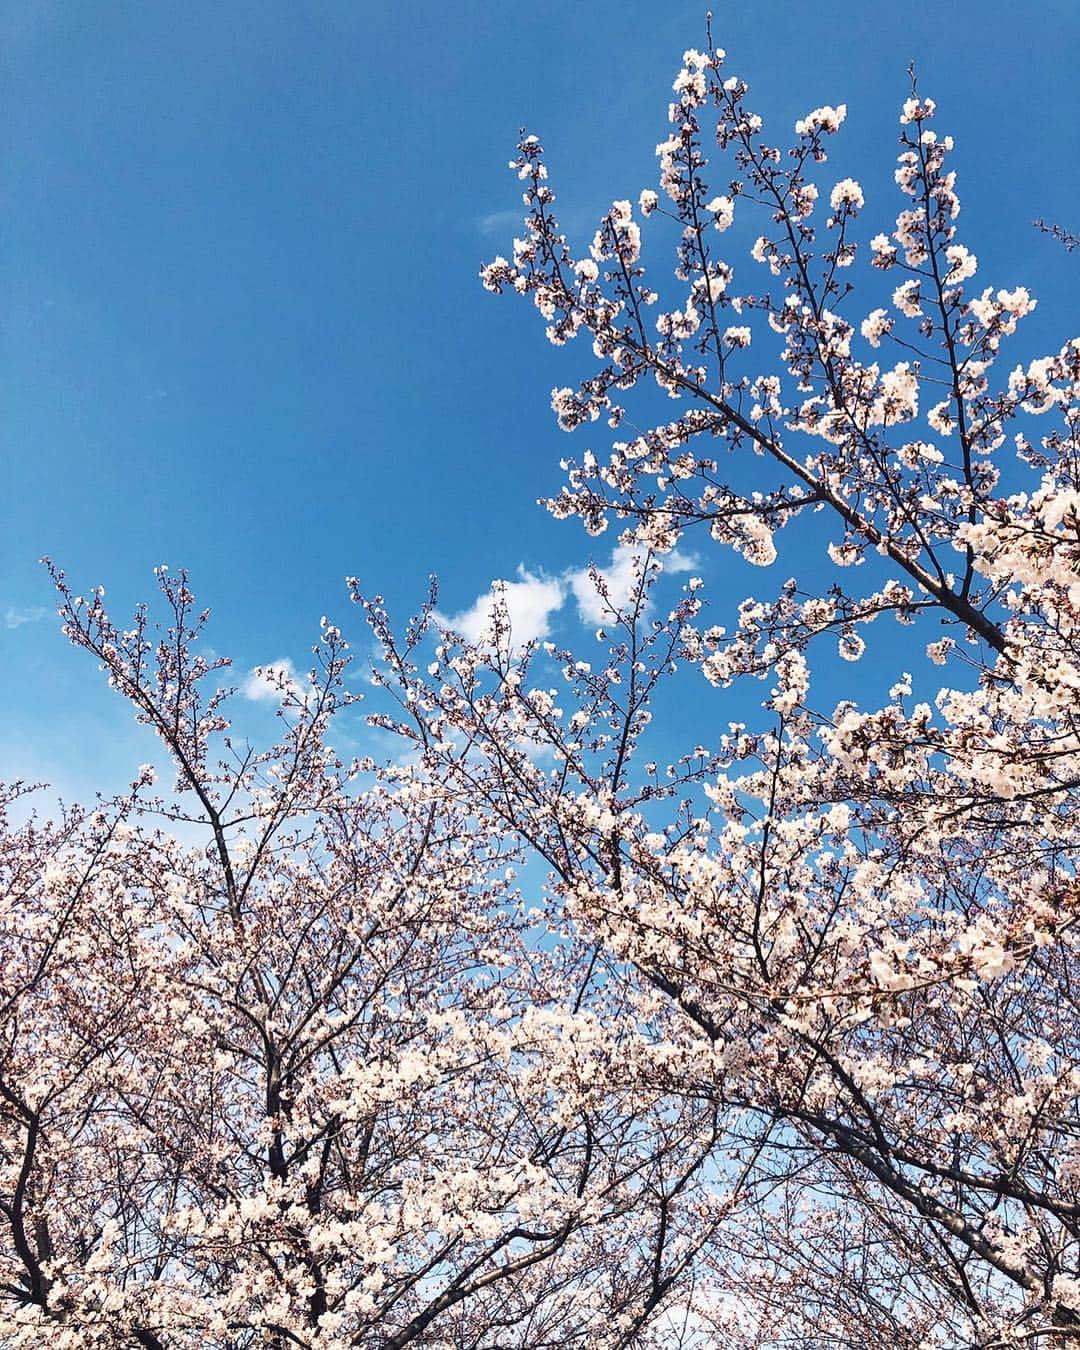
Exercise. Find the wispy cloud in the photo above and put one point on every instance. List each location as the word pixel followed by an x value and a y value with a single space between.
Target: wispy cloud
pixel 502 225
pixel 500 222
pixel 15 615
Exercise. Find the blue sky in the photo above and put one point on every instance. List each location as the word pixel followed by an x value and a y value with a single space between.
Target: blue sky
pixel 242 327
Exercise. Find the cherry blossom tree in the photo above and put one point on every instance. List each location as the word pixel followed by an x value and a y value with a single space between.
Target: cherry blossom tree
pixel 862 919
pixel 285 1060
pixel 785 1049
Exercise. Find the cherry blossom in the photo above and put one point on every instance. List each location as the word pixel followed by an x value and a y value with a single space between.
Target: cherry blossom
pixel 869 911
pixel 549 1032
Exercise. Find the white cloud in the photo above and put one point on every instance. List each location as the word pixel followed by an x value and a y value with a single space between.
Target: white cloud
pixel 15 616
pixel 620 581
pixel 534 597
pixel 264 683
pixel 529 603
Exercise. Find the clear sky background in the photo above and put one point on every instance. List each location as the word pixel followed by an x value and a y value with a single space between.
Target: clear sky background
pixel 242 327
